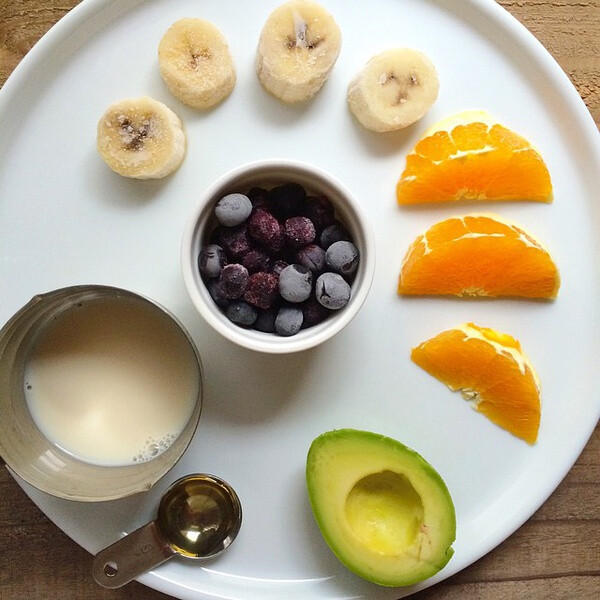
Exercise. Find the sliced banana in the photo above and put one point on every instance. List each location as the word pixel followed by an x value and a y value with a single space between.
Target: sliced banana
pixel 195 63
pixel 141 138
pixel 297 49
pixel 393 90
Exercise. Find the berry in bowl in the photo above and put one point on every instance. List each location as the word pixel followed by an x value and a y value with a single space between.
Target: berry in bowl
pixel 278 256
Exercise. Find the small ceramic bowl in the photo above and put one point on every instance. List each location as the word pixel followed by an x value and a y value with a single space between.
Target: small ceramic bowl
pixel 24 445
pixel 268 174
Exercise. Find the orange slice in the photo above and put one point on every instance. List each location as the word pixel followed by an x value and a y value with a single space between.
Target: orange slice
pixel 491 371
pixel 478 256
pixel 469 156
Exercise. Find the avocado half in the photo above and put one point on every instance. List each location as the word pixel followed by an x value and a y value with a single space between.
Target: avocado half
pixel 381 507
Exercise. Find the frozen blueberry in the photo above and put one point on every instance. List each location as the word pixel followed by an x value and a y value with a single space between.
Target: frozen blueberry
pixel 332 291
pixel 241 313
pixel 342 257
pixel 299 231
pixel 295 283
pixel 256 260
pixel 234 240
pixel 216 293
pixel 265 229
pixel 312 257
pixel 287 200
pixel 233 209
pixel 320 211
pixel 288 320
pixel 233 280
pixel 265 321
pixel 333 233
pixel 211 260
pixel 314 312
pixel 262 289
pixel 259 197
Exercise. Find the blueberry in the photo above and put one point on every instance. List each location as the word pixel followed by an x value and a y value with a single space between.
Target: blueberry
pixel 211 260
pixel 332 291
pixel 299 231
pixel 312 257
pixel 295 283
pixel 265 321
pixel 265 229
pixel 333 233
pixel 241 313
pixel 342 257
pixel 287 200
pixel 233 209
pixel 262 289
pixel 314 312
pixel 288 321
pixel 233 280
pixel 216 293
pixel 320 211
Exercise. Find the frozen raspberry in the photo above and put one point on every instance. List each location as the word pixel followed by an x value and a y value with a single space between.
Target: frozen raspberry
pixel 278 266
pixel 299 231
pixel 233 280
pixel 262 289
pixel 256 260
pixel 287 200
pixel 320 211
pixel 234 240
pixel 265 229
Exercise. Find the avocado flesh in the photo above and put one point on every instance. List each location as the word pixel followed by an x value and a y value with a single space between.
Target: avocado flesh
pixel 382 509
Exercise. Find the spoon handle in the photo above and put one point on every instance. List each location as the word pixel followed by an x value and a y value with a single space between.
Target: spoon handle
pixel 129 557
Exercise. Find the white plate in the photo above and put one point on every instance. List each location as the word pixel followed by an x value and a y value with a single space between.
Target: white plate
pixel 66 219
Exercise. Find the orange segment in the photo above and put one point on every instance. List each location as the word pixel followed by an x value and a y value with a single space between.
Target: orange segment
pixel 478 256
pixel 471 157
pixel 491 371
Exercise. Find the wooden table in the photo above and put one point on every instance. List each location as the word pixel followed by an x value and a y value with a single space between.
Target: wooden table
pixel 556 554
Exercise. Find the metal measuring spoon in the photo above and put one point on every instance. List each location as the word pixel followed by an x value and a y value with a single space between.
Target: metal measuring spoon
pixel 198 517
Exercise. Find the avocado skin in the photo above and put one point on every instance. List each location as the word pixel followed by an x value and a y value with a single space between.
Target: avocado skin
pixel 354 446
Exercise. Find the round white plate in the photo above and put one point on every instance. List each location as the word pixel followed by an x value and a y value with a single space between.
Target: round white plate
pixel 66 219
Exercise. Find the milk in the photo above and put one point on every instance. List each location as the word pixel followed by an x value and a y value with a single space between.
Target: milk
pixel 112 381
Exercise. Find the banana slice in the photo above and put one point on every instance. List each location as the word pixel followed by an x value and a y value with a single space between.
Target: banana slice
pixel 298 46
pixel 393 90
pixel 141 138
pixel 195 63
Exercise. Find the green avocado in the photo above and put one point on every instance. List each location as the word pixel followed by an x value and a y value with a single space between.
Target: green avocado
pixel 382 508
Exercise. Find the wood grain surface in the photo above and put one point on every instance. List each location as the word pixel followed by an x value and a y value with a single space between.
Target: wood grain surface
pixel 555 555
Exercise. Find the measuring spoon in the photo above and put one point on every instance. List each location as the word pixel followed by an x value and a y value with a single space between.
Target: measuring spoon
pixel 198 517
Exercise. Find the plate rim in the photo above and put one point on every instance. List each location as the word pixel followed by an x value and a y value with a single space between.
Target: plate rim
pixel 536 53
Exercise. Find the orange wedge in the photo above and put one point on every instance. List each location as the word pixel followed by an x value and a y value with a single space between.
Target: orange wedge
pixel 478 256
pixel 469 156
pixel 491 371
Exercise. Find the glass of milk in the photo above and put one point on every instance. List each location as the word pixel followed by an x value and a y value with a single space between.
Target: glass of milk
pixel 100 392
